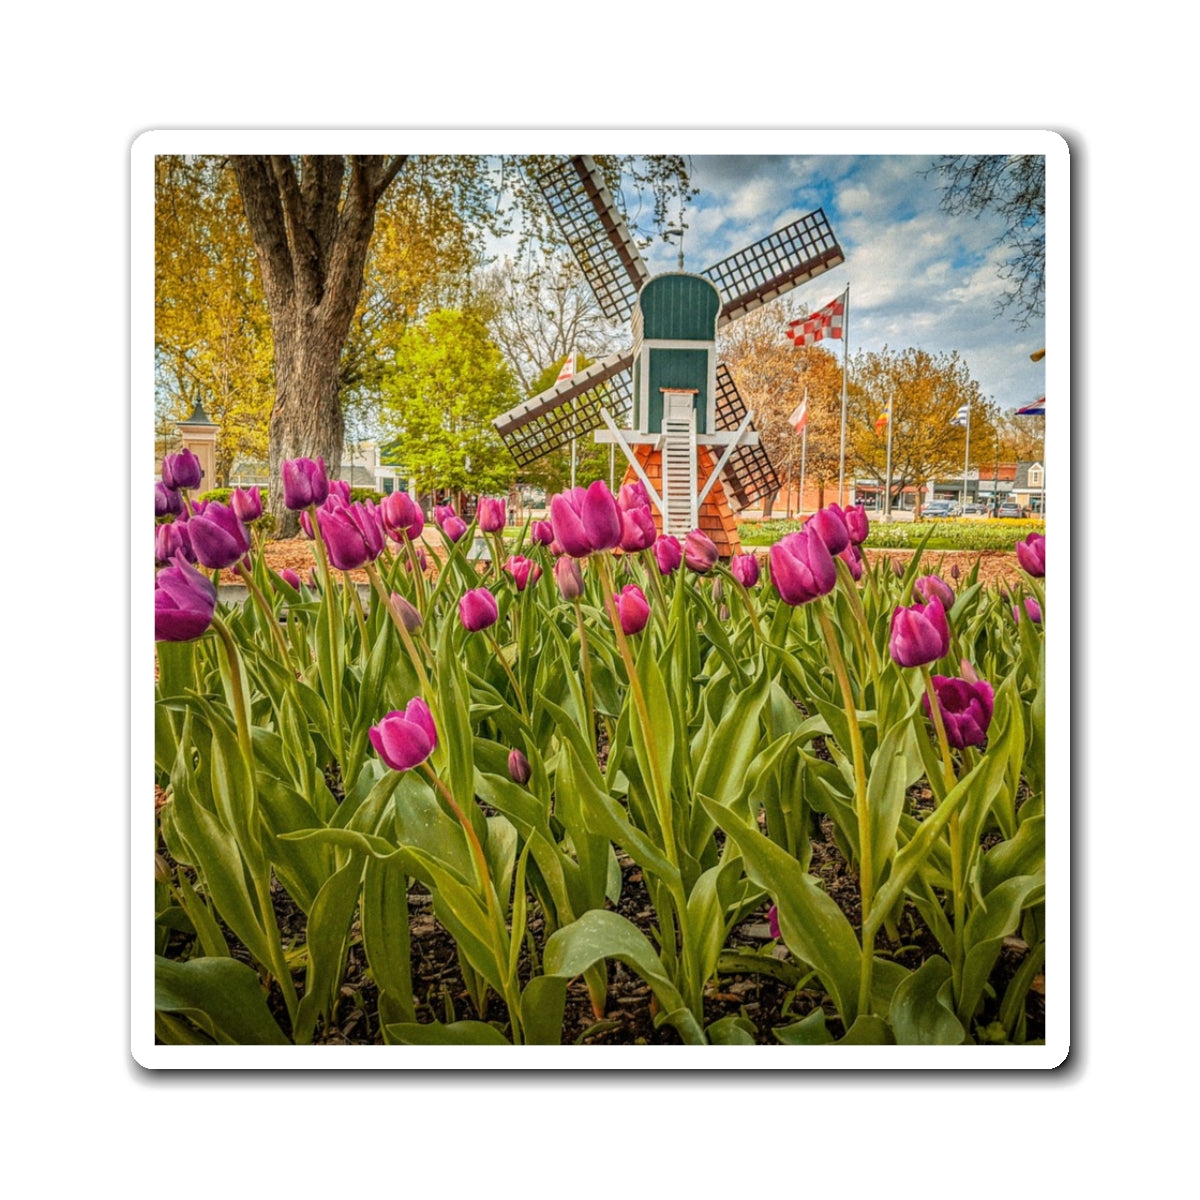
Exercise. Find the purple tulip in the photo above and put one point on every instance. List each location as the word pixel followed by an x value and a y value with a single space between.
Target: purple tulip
pixel 170 540
pixel 852 557
pixel 167 502
pixel 542 533
pixel 966 707
pixel 802 567
pixel 491 514
pixel 633 495
pixel 920 634
pixel 632 609
pixel 219 539
pixel 700 552
pixel 568 577
pixel 478 609
pixel 668 553
pixel 247 503
pixel 1031 554
pixel 523 571
pixel 637 529
pixel 407 612
pixel 351 534
pixel 304 483
pixel 934 587
pixel 829 524
pixel 857 524
pixel 405 739
pixel 181 470
pixel 454 527
pixel 585 521
pixel 184 602
pixel 290 578
pixel 402 516
pixel 442 513
pixel 518 767
pixel 744 568
pixel 1033 610
pixel 339 490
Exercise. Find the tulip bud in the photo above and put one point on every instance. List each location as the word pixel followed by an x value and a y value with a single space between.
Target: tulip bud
pixel 522 570
pixel 407 613
pixel 568 577
pixel 920 634
pixel 852 557
pixel 954 572
pixel 454 528
pixel 167 502
pixel 304 483
pixel 542 532
pixel 518 767
pixel 744 568
pixel 1031 554
pixel 477 609
pixel 218 537
pixel 897 568
pixel 405 739
pixel 829 524
pixel 290 578
pixel 184 603
pixel 637 529
pixel 802 567
pixel 857 524
pixel 490 514
pixel 1033 610
pixel 632 609
pixel 402 516
pixel 700 552
pixel 247 503
pixel 181 470
pixel 966 708
pixel 933 587
pixel 668 553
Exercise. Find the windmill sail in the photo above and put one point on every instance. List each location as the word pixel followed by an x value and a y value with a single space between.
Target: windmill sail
pixel 749 475
pixel 596 233
pixel 779 262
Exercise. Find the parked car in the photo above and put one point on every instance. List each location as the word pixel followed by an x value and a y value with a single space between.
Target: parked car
pixel 1009 509
pixel 938 508
pixel 972 510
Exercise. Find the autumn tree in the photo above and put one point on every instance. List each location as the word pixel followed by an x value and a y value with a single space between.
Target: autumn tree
pixel 211 330
pixel 447 382
pixel 926 391
pixel 772 376
pixel 1012 187
pixel 312 218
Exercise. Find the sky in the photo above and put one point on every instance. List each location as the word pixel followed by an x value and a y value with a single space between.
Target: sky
pixel 918 277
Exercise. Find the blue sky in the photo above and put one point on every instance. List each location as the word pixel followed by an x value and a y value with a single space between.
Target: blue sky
pixel 917 276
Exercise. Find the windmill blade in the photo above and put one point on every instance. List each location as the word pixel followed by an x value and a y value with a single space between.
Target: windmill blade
pixel 568 410
pixel 596 233
pixel 749 475
pixel 776 264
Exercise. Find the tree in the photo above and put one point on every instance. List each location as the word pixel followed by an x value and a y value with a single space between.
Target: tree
pixel 1012 186
pixel 926 393
pixel 772 376
pixel 211 331
pixel 312 218
pixel 446 384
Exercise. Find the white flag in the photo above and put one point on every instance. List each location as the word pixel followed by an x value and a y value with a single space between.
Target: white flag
pixel 799 418
pixel 963 416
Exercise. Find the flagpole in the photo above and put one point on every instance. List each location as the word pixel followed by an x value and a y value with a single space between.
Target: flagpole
pixel 845 360
pixel 966 458
pixel 803 456
pixel 887 503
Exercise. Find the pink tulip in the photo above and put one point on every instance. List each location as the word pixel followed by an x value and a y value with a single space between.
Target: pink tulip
pixel 637 529
pixel 568 577
pixel 829 524
pixel 586 521
pixel 858 526
pixel 247 503
pixel 633 611
pixel 966 707
pixel 304 482
pixel 218 537
pixel 920 634
pixel 934 587
pixel 181 470
pixel 523 571
pixel 491 514
pixel 405 739
pixel 542 532
pixel 744 568
pixel 184 603
pixel 668 553
pixel 477 609
pixel 802 567
pixel 1031 554
pixel 700 551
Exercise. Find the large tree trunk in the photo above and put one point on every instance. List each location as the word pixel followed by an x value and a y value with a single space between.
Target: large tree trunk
pixel 311 227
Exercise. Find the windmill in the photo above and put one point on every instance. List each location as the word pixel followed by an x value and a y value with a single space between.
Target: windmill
pixel 690 439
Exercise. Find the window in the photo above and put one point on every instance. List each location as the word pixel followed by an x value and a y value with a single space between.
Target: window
pixel 1035 477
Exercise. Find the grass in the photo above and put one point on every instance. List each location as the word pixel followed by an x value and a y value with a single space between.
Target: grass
pixel 995 533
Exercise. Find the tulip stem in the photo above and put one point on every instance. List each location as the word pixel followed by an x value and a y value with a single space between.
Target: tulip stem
pixel 356 604
pixel 509 672
pixel 866 868
pixel 418 574
pixel 267 611
pixel 405 637
pixel 585 659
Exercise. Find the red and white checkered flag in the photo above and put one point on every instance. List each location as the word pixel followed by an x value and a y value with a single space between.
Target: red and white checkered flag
pixel 825 323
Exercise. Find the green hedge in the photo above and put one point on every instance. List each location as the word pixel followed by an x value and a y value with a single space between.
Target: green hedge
pixel 996 533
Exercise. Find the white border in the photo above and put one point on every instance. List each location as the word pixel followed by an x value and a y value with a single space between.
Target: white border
pixel 638 141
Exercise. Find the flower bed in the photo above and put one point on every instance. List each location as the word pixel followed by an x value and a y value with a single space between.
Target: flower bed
pixel 624 788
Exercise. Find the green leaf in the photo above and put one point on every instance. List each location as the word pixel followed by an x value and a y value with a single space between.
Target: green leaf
pixel 459 1033
pixel 386 935
pixel 869 1030
pixel 810 1031
pixel 922 1012
pixel 731 1031
pixel 221 995
pixel 542 1005
pixel 896 765
pixel 326 940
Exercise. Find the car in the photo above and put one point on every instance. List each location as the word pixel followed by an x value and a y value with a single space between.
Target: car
pixel 971 510
pixel 938 509
pixel 1009 509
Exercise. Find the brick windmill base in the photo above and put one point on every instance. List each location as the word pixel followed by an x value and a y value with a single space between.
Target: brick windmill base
pixel 716 517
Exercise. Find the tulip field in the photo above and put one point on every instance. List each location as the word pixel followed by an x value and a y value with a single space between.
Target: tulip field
pixel 502 748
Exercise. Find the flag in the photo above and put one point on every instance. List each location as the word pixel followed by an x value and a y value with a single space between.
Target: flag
pixel 963 416
pixel 1036 409
pixel 568 369
pixel 880 424
pixel 799 418
pixel 827 321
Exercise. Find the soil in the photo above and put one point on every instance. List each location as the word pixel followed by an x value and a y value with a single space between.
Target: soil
pixel 768 998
